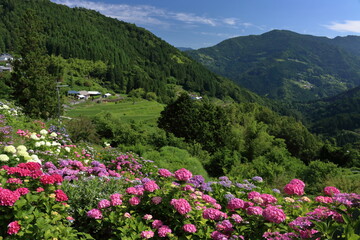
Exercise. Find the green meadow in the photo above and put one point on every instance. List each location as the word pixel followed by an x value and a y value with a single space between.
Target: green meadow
pixel 128 111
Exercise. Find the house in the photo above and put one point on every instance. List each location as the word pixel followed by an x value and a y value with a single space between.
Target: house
pixel 106 95
pixel 5 57
pixel 94 93
pixel 5 69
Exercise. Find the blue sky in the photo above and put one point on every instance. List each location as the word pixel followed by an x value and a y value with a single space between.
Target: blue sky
pixel 200 23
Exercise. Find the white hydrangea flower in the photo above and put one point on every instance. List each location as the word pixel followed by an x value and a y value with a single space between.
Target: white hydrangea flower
pixel 21 148
pixel 53 134
pixel 22 153
pixel 42 137
pixel 43 132
pixel 10 149
pixel 4 158
pixel 34 158
pixel 48 144
pixel 33 136
pixel 67 149
pixel 38 144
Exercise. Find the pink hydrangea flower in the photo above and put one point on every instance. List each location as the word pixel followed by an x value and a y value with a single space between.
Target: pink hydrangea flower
pixel 297 182
pixel 8 197
pixel 294 189
pixel 323 199
pixel 116 199
pixel 147 234
pixel 268 198
pixel 253 194
pixel 40 189
pixel 156 200
pixel 164 172
pixel 254 210
pixel 181 205
pixel 157 223
pixel 331 191
pixel 14 181
pixel 22 191
pixel 94 213
pixel 237 218
pixel 274 214
pixel 104 203
pixel 147 217
pixel 208 199
pixel 13 228
pixel 183 174
pixel 60 196
pixel 190 228
pixel 134 201
pixel 163 231
pixel 151 186
pixel 213 214
pixel 235 203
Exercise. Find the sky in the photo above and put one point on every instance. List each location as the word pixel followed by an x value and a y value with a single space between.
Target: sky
pixel 204 23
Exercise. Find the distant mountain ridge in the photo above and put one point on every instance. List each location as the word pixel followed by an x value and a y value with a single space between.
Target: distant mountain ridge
pixel 286 65
pixel 135 57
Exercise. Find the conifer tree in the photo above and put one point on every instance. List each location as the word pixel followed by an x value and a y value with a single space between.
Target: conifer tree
pixel 34 88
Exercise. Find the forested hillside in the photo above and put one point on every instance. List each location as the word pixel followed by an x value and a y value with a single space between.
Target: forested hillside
pixel 135 58
pixel 286 65
pixel 337 116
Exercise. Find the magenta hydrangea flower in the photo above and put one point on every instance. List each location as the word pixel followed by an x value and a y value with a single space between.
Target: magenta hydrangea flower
pixel 147 234
pixel 183 174
pixel 237 218
pixel 151 186
pixel 268 198
pixel 331 191
pixel 253 194
pixel 181 205
pixel 254 210
pixel 104 203
pixel 156 200
pixel 134 201
pixel 60 196
pixel 22 191
pixel 164 172
pixel 208 199
pixel 157 223
pixel 274 214
pixel 294 189
pixel 116 199
pixel 13 228
pixel 8 197
pixel 163 231
pixel 94 213
pixel 297 182
pixel 213 214
pixel 190 228
pixel 235 203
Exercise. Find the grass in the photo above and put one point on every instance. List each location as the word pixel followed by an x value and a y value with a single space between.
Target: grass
pixel 127 111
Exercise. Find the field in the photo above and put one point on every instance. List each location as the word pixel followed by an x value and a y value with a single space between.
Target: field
pixel 127 111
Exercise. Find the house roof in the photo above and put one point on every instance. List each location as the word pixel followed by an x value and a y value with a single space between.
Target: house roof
pixel 5 57
pixel 73 92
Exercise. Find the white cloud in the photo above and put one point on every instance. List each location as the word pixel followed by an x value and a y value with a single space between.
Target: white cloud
pixel 149 15
pixel 346 26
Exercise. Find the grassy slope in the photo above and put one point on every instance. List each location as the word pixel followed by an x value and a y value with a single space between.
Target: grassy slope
pixel 142 110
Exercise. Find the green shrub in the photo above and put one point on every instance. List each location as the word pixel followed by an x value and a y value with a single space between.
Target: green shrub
pixel 173 158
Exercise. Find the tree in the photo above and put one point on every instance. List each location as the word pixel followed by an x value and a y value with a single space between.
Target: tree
pixel 34 88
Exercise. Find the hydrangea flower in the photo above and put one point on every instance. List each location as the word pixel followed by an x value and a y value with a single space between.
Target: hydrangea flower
pixel 94 213
pixel 13 228
pixel 181 205
pixel 183 174
pixel 331 191
pixel 147 234
pixel 189 228
pixel 274 214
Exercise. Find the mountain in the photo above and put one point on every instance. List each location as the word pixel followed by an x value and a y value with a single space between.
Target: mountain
pixel 286 65
pixel 135 57
pixel 337 116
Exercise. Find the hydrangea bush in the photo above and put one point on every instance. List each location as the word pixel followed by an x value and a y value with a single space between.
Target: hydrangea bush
pixel 53 189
